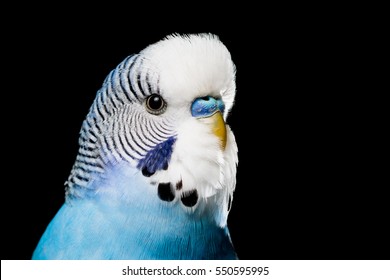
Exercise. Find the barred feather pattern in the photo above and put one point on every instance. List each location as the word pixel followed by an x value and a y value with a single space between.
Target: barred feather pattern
pixel 113 131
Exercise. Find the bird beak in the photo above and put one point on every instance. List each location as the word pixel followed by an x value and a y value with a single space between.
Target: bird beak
pixel 218 127
pixel 210 111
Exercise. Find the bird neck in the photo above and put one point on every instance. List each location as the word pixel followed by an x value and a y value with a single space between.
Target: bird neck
pixel 125 190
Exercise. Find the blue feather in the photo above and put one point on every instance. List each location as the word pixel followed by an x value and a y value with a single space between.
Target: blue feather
pixel 125 219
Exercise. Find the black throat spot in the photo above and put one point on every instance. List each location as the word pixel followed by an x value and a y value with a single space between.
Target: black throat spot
pixel 190 198
pixel 166 192
pixel 146 172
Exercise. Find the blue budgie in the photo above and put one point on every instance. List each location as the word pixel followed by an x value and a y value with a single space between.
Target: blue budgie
pixel 156 168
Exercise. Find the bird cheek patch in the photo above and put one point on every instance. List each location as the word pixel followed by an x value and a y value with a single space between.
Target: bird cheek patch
pixel 158 158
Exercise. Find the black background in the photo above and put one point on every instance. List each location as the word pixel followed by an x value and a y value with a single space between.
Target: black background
pixel 307 184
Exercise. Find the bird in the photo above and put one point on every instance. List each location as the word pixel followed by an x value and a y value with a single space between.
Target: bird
pixel 155 172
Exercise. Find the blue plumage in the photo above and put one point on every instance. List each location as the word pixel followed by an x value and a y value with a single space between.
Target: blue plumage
pixel 125 219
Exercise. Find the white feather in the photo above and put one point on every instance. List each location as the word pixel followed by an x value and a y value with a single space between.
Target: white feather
pixel 189 67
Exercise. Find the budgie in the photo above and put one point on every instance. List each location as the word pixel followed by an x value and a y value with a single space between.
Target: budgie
pixel 155 173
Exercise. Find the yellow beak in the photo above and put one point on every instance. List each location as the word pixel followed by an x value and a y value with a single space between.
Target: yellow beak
pixel 218 127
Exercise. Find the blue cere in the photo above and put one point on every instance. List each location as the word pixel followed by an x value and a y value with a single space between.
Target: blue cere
pixel 206 106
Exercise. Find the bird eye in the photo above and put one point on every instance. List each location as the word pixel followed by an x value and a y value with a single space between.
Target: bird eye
pixel 155 104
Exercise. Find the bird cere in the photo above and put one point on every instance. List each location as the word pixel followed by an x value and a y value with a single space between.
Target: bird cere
pixel 156 168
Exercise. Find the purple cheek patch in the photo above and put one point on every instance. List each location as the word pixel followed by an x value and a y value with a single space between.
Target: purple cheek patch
pixel 158 158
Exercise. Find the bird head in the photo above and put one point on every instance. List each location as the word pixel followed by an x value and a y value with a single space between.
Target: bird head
pixel 164 113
